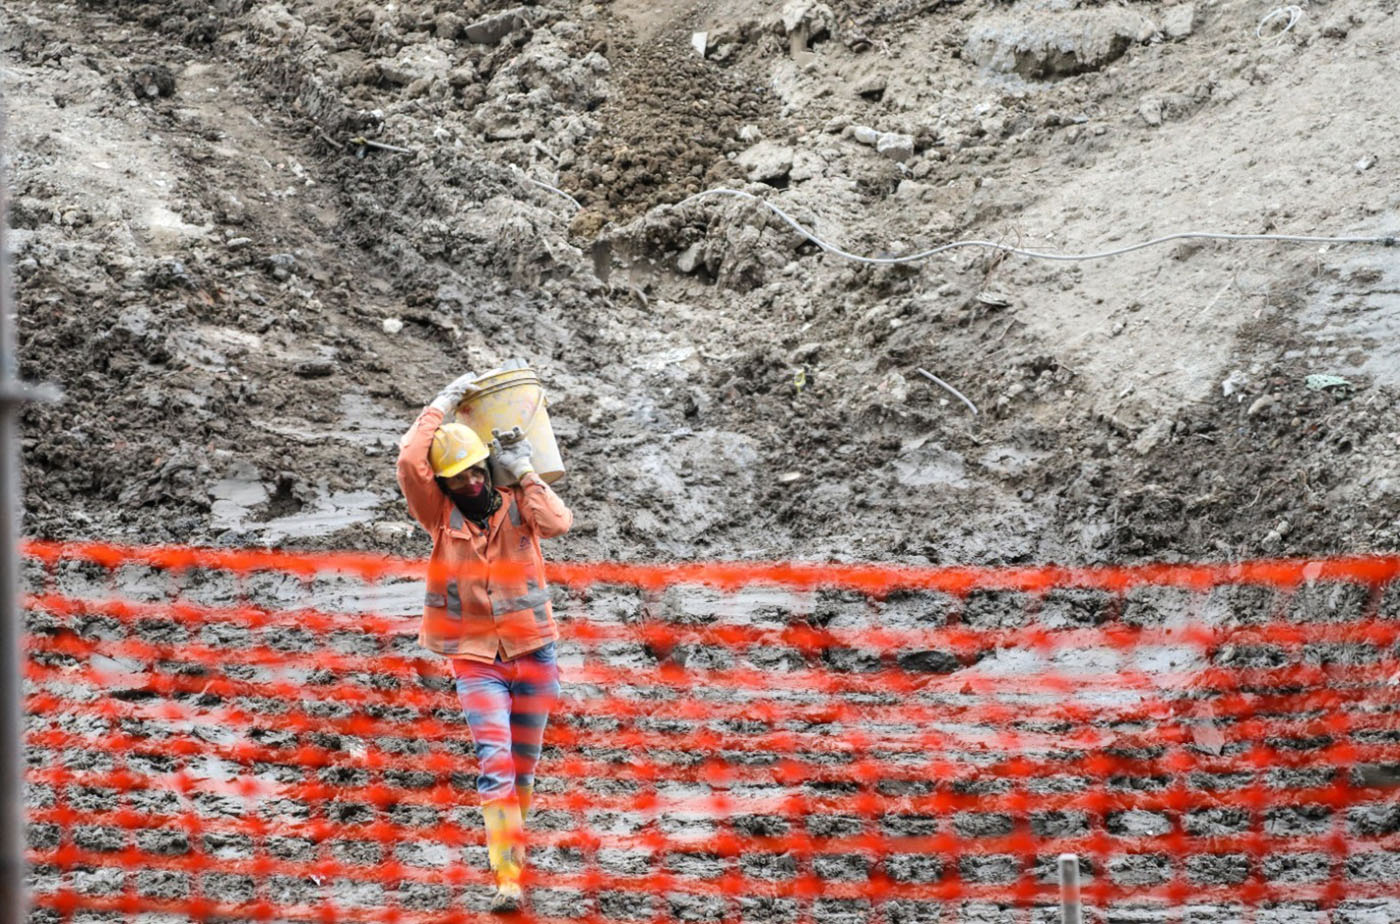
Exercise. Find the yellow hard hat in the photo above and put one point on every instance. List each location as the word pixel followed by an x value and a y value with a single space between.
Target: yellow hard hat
pixel 455 447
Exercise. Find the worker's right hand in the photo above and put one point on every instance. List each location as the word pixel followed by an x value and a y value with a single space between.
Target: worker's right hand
pixel 451 396
pixel 512 452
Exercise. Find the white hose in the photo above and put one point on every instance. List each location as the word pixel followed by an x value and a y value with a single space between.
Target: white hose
pixel 1294 13
pixel 1386 240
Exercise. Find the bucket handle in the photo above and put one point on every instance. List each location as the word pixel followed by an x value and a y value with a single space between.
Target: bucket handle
pixel 515 435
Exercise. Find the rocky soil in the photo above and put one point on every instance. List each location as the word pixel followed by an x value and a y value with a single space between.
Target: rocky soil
pixel 252 239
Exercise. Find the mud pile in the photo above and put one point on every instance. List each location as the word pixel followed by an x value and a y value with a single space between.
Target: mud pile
pixel 252 239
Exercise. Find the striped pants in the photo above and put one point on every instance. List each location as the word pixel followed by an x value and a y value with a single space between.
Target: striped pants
pixel 507 705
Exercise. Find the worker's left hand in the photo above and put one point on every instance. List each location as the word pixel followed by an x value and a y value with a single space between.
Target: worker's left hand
pixel 511 451
pixel 453 393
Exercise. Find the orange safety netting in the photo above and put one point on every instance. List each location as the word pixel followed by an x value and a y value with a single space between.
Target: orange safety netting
pixel 218 734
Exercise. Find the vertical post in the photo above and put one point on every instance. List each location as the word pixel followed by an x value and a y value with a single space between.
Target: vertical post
pixel 13 902
pixel 1071 911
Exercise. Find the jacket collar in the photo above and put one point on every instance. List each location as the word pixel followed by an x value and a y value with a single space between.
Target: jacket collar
pixel 458 520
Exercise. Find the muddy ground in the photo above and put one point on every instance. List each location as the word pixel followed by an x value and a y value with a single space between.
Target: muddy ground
pixel 252 239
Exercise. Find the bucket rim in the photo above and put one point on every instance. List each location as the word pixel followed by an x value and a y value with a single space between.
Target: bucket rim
pixel 485 390
pixel 497 374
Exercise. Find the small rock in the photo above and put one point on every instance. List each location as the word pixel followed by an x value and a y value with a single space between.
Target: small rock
pixel 492 29
pixel 700 42
pixel 281 265
pixel 169 274
pixel 1260 405
pixel 414 63
pixel 1336 27
pixel 689 259
pixel 895 387
pixel 238 243
pixel 315 369
pixel 750 134
pixel 895 146
pixel 230 210
pixel 1179 22
pixel 1150 438
pixel 1208 737
pixel 789 477
pixel 153 80
pixel 1323 381
pixel 806 165
pixel 724 39
pixel 462 76
pixel 864 134
pixel 1365 163
pixel 871 87
pixel 394 530
pixel 392 325
pixel 1150 111
pixel 1234 382
pixel 912 189
pixel 448 25
pixel 1048 44
pixel 766 162
pixel 1379 774
pixel 805 23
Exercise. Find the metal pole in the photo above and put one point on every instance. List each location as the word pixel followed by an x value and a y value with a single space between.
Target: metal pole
pixel 13 905
pixel 1071 911
pixel 13 900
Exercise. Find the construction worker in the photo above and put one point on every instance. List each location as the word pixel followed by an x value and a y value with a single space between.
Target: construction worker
pixel 488 608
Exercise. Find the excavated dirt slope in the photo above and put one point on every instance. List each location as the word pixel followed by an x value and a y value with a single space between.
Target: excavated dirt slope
pixel 252 239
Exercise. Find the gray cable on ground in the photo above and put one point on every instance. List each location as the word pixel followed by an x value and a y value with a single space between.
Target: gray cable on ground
pixel 529 179
pixel 1386 240
pixel 937 381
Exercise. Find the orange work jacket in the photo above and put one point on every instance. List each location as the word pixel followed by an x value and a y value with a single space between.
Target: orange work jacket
pixel 474 608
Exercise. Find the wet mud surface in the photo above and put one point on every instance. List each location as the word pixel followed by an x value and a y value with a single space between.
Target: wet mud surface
pixel 251 240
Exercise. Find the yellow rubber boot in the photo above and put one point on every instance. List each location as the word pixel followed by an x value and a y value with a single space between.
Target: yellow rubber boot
pixel 505 849
pixel 525 795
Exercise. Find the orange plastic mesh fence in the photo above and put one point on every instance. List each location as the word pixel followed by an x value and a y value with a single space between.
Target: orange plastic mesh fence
pixel 251 735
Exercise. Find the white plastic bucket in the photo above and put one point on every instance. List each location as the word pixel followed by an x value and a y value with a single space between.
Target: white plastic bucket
pixel 513 398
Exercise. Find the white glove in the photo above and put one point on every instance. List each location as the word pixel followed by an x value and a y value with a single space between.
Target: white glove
pixel 511 451
pixel 451 396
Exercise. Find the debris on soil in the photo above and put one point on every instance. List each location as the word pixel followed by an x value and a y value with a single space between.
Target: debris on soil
pixel 153 80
